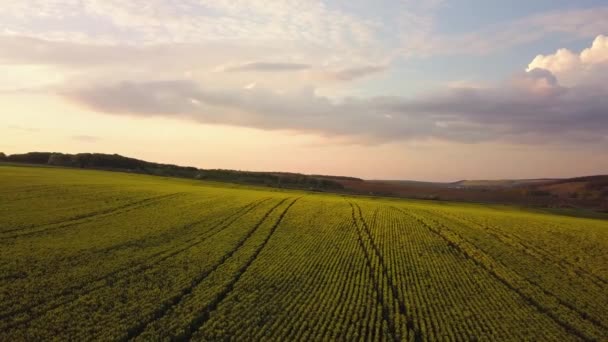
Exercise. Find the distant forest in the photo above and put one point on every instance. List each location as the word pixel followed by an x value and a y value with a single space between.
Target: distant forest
pixel 115 162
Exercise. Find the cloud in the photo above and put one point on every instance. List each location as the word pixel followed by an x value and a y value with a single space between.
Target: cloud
pixel 86 62
pixel 588 66
pixel 23 50
pixel 267 67
pixel 23 129
pixel 86 56
pixel 562 60
pixel 159 61
pixel 300 110
pixel 530 107
pixel 360 37
pixel 566 24
pixel 190 21
pixel 164 40
pixel 350 74
pixel 86 138
pixel 597 53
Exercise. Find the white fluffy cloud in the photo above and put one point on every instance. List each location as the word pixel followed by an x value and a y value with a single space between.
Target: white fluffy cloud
pixel 588 66
pixel 597 53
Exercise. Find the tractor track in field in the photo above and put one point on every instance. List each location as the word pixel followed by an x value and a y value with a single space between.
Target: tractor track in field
pixel 88 217
pixel 169 232
pixel 569 328
pixel 402 308
pixel 77 291
pixel 27 189
pixel 364 230
pixel 55 189
pixel 139 242
pixel 90 214
pixel 537 252
pixel 203 317
pixel 582 315
pixel 161 312
pixel 377 288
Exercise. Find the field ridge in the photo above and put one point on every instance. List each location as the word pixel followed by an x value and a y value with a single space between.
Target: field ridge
pixel 168 305
pixel 475 254
pixel 138 268
pixel 150 258
pixel 203 316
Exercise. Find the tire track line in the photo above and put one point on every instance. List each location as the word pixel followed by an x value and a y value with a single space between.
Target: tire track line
pixel 72 193
pixel 27 189
pixel 569 328
pixel 86 215
pixel 161 312
pixel 539 252
pixel 582 315
pixel 402 308
pixel 131 269
pixel 375 283
pixel 172 231
pixel 85 218
pixel 375 248
pixel 196 324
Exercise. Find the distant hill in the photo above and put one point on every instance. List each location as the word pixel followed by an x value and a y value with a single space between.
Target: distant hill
pixel 479 183
pixel 411 183
pixel 115 162
pixel 582 192
pixel 501 183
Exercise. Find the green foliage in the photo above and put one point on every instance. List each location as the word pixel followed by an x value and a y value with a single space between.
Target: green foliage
pixel 94 255
pixel 31 157
pixel 117 162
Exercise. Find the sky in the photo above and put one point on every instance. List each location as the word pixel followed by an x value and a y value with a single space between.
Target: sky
pixel 392 89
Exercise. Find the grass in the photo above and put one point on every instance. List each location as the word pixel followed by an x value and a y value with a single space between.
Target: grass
pixel 586 213
pixel 94 255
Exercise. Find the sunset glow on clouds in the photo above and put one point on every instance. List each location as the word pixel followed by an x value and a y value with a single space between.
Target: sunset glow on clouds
pixel 336 87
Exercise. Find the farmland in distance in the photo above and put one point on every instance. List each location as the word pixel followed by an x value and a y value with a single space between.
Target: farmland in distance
pixel 94 255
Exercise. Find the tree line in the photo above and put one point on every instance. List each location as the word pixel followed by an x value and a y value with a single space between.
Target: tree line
pixel 115 162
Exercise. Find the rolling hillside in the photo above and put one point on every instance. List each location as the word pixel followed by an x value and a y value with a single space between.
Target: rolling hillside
pixel 115 162
pixel 589 193
pixel 95 255
pixel 582 193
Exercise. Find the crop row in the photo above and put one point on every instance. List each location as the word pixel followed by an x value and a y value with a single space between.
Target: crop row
pixel 450 297
pixel 96 281
pixel 162 253
pixel 541 268
pixel 544 302
pixel 310 283
pixel 149 260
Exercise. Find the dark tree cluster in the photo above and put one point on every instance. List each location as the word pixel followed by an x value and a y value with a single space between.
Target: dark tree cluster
pixel 115 162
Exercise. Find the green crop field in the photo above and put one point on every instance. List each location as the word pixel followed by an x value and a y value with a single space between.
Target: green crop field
pixel 93 255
